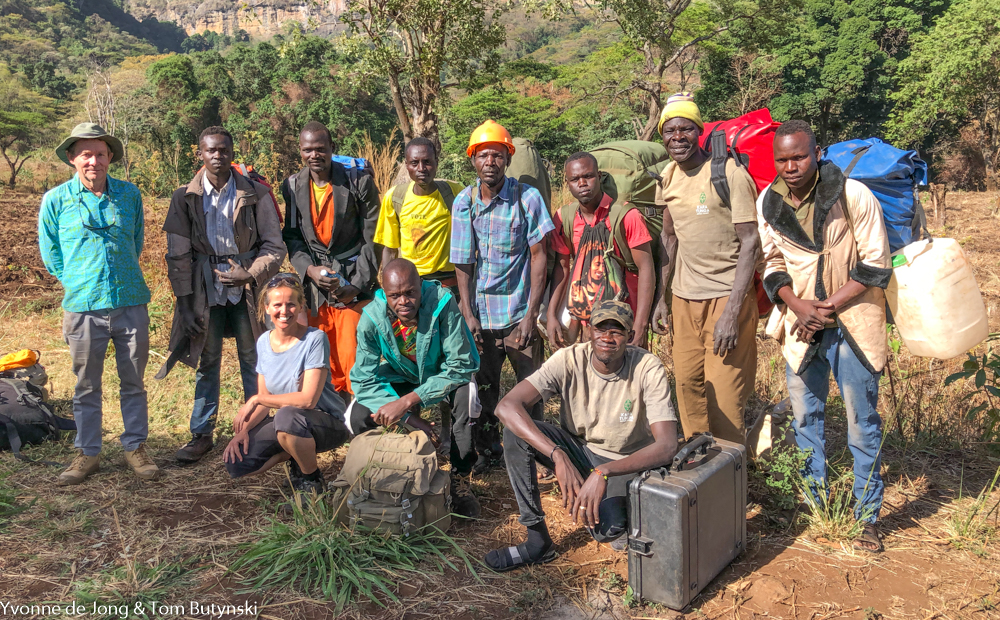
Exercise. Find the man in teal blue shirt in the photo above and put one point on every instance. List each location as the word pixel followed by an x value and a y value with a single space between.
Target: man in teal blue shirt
pixel 90 233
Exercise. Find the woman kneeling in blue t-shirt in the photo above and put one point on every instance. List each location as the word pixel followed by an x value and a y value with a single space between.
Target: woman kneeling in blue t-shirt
pixel 292 377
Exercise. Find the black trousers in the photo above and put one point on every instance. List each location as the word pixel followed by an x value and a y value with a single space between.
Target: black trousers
pixel 463 447
pixel 521 457
pixel 499 345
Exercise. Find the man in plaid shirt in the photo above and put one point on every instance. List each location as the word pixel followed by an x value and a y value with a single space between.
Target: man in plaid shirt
pixel 498 249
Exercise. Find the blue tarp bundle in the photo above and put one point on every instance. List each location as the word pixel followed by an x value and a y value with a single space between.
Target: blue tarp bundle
pixel 892 175
pixel 351 162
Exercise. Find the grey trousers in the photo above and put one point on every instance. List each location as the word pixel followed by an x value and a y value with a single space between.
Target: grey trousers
pixel 88 334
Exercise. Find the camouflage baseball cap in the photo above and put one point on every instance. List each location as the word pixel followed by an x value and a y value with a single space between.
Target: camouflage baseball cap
pixel 610 310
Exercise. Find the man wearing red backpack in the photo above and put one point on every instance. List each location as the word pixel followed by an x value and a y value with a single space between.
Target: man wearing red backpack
pixel 827 261
pixel 712 250
pixel 591 276
pixel 223 242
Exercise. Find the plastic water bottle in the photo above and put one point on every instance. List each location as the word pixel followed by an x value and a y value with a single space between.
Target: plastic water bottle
pixel 324 273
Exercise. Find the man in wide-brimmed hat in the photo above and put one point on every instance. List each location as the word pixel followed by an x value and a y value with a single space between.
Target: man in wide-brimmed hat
pixel 90 233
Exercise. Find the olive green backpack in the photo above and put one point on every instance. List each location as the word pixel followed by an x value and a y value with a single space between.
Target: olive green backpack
pixel 630 170
pixel 391 482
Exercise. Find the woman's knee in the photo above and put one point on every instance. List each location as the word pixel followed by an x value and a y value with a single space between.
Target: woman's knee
pixel 289 420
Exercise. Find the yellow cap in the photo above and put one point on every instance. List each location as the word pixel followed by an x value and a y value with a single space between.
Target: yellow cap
pixel 490 131
pixel 681 105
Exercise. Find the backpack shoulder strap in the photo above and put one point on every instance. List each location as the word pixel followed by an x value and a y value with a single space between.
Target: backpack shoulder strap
pixel 616 221
pixel 720 153
pixel 567 213
pixel 447 194
pixel 292 211
pixel 398 195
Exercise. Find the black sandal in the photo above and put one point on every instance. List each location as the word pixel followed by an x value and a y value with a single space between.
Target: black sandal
pixel 508 558
pixel 869 536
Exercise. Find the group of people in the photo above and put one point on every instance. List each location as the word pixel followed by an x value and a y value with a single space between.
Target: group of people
pixel 416 299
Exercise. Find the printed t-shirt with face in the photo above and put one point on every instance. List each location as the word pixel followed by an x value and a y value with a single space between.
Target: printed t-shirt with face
pixel 422 232
pixel 707 244
pixel 636 234
pixel 321 208
pixel 283 371
pixel 611 413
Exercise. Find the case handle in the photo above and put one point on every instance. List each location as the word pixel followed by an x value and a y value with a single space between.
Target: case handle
pixel 701 442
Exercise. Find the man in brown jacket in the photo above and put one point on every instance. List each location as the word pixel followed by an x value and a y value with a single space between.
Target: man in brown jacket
pixel 223 242
pixel 827 261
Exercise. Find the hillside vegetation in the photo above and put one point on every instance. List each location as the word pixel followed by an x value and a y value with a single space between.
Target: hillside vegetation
pixel 564 75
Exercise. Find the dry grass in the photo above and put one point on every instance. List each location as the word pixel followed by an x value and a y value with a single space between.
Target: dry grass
pixel 384 159
pixel 117 539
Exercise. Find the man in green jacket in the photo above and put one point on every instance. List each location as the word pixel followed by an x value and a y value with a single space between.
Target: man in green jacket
pixel 415 350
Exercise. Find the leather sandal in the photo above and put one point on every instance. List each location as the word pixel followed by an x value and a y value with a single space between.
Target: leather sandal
pixel 869 540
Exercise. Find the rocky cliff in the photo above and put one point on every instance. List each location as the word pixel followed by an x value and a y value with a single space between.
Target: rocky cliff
pixel 261 18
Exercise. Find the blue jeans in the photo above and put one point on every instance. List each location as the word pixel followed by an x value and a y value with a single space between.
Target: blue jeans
pixel 229 320
pixel 859 387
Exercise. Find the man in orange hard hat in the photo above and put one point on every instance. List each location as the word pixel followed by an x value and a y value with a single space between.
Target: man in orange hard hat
pixel 498 249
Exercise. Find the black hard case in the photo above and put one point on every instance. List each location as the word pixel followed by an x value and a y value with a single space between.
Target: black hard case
pixel 687 522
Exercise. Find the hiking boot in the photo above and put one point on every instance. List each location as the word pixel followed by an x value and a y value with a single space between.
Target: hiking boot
pixel 463 502
pixel 303 491
pixel 141 463
pixel 200 445
pixel 309 487
pixel 81 467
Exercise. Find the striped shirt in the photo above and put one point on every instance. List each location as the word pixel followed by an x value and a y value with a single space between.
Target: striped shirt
pixel 219 206
pixel 497 237
pixel 92 244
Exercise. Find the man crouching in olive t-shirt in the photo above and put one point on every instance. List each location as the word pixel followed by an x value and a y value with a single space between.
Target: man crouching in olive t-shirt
pixel 616 420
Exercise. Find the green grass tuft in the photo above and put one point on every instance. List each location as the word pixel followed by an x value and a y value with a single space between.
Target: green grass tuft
pixel 317 556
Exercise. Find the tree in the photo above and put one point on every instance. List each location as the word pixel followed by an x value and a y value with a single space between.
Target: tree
pixel 840 63
pixel 952 80
pixel 666 32
pixel 26 120
pixel 415 44
pixel 735 82
pixel 120 101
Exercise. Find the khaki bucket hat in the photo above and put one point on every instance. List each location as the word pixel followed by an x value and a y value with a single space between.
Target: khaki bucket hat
pixel 90 131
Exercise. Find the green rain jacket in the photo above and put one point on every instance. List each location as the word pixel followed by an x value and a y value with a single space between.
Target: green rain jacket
pixel 446 357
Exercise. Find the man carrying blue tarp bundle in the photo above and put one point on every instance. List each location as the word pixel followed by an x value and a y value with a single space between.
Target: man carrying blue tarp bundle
pixel 827 261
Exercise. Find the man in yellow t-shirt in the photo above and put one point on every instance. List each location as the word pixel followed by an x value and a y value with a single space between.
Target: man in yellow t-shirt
pixel 415 219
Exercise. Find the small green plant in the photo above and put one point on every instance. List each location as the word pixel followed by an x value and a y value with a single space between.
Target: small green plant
pixel 985 372
pixel 136 586
pixel 527 599
pixel 629 599
pixel 970 527
pixel 9 505
pixel 776 478
pixel 611 580
pixel 319 557
pixel 831 506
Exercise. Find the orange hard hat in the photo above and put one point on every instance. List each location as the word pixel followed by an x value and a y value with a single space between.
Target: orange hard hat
pixel 490 131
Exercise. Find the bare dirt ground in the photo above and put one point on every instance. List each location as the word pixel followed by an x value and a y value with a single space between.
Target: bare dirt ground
pixel 117 540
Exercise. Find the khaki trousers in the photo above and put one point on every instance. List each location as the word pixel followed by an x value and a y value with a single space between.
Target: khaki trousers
pixel 712 390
